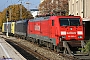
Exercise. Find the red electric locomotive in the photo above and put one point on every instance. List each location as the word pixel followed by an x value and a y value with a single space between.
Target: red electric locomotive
pixel 56 29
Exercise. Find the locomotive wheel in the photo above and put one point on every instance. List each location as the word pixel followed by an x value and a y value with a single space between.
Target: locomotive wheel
pixel 47 44
pixel 40 42
pixel 25 38
pixel 65 51
pixel 57 49
pixel 51 46
pixel 33 40
pixel 37 41
pixel 54 48
pixel 30 39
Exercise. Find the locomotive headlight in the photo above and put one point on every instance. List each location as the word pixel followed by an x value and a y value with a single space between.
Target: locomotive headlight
pixel 63 32
pixel 79 36
pixel 79 32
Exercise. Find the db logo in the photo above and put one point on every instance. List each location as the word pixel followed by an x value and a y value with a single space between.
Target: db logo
pixel 37 27
pixel 71 32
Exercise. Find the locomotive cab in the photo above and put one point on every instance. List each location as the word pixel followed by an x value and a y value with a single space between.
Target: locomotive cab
pixel 71 28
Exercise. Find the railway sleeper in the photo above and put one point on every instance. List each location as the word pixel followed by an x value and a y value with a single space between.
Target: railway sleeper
pixel 73 50
pixel 60 49
pixel 49 45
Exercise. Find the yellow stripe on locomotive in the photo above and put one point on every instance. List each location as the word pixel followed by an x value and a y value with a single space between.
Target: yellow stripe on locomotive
pixel 13 27
pixel 3 27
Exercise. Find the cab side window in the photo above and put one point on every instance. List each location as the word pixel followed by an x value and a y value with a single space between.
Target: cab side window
pixel 52 22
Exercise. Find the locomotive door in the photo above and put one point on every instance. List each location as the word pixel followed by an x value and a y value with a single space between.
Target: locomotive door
pixel 52 34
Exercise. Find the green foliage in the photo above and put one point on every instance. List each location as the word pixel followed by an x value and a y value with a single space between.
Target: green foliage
pixel 87 47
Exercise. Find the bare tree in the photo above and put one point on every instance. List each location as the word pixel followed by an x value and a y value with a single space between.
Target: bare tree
pixel 54 6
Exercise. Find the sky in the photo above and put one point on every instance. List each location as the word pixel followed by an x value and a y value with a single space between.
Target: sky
pixel 33 3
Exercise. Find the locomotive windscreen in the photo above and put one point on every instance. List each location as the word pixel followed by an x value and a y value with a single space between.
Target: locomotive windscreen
pixel 69 21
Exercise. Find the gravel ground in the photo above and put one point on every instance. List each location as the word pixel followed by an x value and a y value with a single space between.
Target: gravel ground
pixel 44 52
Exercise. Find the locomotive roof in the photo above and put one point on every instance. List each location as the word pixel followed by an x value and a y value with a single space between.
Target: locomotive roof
pixel 21 21
pixel 6 22
pixel 46 18
pixel 39 19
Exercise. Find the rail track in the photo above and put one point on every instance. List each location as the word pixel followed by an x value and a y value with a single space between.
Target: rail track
pixel 34 53
pixel 38 54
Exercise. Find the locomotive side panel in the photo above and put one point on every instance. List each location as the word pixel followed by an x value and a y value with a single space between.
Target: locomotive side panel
pixel 45 28
pixel 30 30
pixel 5 27
pixel 54 32
pixel 21 27
pixel 41 29
pixel 9 27
pixel 45 31
pixel 37 28
pixel 18 27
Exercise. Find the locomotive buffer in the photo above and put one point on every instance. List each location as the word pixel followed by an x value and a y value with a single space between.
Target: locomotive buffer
pixel 78 55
